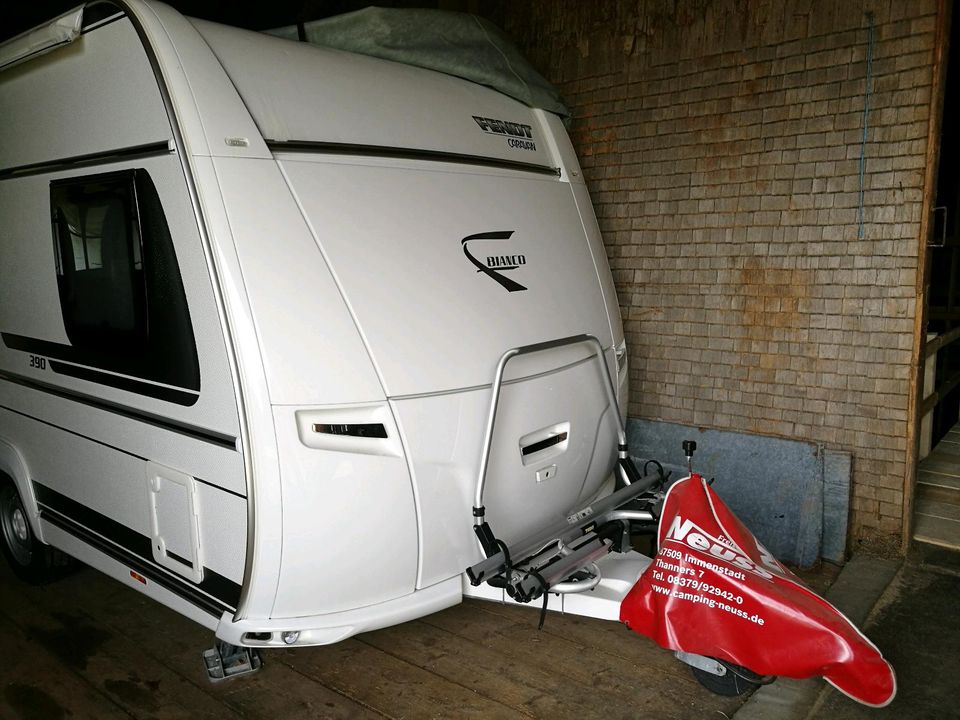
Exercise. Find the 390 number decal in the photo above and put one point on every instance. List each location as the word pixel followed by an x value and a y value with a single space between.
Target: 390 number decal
pixel 38 362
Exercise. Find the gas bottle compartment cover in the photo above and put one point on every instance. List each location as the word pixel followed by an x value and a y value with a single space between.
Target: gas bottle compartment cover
pixel 174 521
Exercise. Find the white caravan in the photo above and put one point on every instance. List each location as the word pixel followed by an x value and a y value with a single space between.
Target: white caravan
pixel 278 322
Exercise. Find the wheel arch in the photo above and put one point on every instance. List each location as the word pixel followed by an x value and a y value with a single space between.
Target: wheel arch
pixel 14 468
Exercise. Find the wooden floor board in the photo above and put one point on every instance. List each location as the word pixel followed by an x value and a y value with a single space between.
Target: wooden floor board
pixel 531 691
pixel 168 646
pixel 945 448
pixel 88 647
pixel 611 638
pixel 940 464
pixel 97 658
pixel 937 531
pixel 389 684
pixel 943 479
pixel 936 508
pixel 635 685
pixel 35 685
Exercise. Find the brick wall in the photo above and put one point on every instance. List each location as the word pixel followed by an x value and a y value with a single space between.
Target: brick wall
pixel 721 142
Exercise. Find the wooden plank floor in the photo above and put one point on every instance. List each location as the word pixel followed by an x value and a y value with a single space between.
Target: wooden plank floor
pixel 88 647
pixel 937 518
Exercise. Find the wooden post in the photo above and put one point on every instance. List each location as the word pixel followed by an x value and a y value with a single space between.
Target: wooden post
pixel 915 398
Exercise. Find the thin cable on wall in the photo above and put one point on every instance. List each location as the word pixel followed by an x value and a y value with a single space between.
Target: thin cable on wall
pixel 866 114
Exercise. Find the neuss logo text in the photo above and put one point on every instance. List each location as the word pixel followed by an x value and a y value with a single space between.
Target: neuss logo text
pixel 520 135
pixel 500 262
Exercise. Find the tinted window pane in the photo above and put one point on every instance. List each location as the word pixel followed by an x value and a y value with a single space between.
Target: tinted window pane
pixel 100 271
pixel 124 306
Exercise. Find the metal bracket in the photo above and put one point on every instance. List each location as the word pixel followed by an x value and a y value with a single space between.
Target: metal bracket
pixel 703 663
pixel 224 661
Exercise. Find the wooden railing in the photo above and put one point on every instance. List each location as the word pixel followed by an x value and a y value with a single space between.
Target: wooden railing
pixel 930 349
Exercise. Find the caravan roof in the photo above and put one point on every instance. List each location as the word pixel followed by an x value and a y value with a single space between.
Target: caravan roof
pixel 365 101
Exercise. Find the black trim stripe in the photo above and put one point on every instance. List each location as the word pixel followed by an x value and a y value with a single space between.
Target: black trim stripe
pixel 180 559
pixel 77 161
pixel 383 151
pixel 112 447
pixel 100 14
pixel 211 607
pixel 208 436
pixel 73 432
pixel 133 549
pixel 123 383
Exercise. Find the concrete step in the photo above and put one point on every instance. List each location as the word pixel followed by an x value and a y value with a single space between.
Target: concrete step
pixel 939 531
pixel 939 486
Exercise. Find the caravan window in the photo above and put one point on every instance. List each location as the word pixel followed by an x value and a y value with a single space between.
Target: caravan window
pixel 122 297
pixel 99 256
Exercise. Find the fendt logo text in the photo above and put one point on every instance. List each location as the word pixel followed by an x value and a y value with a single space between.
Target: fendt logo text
pixel 519 136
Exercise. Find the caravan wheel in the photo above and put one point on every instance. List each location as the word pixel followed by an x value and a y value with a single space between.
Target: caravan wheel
pixel 31 560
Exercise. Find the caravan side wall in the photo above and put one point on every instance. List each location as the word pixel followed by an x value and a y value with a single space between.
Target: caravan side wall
pixel 117 408
pixel 308 263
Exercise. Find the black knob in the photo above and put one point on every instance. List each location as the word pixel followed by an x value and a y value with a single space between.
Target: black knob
pixel 688 447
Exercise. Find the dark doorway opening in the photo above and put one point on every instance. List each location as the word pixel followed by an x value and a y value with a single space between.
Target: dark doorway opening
pixel 944 292
pixel 937 495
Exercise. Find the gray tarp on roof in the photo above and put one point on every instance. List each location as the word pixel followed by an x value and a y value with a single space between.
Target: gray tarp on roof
pixel 450 42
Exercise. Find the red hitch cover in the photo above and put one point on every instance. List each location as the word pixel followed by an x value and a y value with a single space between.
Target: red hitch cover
pixel 714 590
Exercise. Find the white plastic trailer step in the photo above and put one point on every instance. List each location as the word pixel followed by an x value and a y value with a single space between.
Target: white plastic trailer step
pixel 619 573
